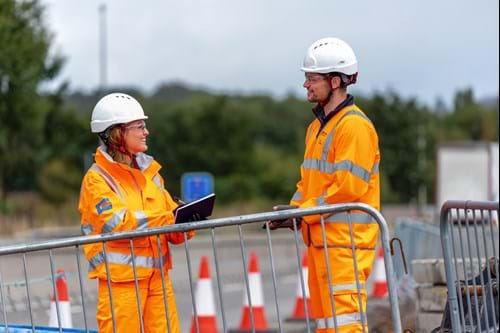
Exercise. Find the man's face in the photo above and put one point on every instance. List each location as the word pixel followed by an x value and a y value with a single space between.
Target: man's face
pixel 318 87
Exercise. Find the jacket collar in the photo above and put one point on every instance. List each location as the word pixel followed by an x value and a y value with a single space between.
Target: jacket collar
pixel 146 163
pixel 319 112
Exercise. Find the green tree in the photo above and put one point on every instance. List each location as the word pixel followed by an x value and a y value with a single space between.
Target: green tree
pixel 25 63
pixel 470 120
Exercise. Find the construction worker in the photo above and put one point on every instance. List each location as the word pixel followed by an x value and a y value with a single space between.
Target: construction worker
pixel 123 191
pixel 340 165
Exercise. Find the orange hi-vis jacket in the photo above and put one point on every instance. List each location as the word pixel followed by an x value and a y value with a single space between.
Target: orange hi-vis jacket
pixel 115 197
pixel 340 166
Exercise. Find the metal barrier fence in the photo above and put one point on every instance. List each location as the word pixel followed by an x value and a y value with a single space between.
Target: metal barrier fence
pixel 413 231
pixel 469 236
pixel 73 247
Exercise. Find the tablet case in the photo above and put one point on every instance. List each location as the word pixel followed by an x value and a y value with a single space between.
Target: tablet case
pixel 203 207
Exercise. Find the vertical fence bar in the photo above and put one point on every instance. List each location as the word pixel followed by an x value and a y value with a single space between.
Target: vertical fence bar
pixel 56 294
pixel 471 265
pixel 301 275
pixel 163 285
pixel 464 263
pixel 330 280
pixel 110 290
pixel 491 304
pixel 356 274
pixel 270 248
pixel 448 254
pixel 219 279
pixel 28 291
pixel 193 298
pixel 245 273
pixel 478 256
pixel 136 284
pixel 4 304
pixel 82 292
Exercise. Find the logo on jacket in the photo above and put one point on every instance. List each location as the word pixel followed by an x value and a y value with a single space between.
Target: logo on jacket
pixel 103 205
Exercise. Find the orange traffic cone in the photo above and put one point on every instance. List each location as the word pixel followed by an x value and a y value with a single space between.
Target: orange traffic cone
pixel 63 301
pixel 257 300
pixel 380 289
pixel 299 312
pixel 205 306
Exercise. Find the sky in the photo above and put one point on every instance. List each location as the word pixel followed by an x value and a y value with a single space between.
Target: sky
pixel 419 49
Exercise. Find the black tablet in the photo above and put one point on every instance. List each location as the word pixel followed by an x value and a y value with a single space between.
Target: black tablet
pixel 203 207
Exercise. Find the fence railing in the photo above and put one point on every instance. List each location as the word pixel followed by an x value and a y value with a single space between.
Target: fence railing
pixel 469 237
pixel 72 246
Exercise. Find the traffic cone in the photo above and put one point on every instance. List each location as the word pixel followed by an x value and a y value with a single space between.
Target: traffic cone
pixel 63 301
pixel 257 298
pixel 299 312
pixel 380 279
pixel 205 305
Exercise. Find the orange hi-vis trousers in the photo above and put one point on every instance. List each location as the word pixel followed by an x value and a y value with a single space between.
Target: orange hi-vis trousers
pixel 126 313
pixel 350 303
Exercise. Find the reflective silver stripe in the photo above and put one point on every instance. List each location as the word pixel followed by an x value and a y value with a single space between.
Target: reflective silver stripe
pixel 113 221
pixel 111 182
pixel 344 217
pixel 375 168
pixel 86 229
pixel 157 181
pixel 355 113
pixel 142 219
pixel 346 165
pixel 95 261
pixel 328 141
pixel 320 200
pixel 320 165
pixel 327 144
pixel 125 259
pixel 343 287
pixel 342 320
pixel 297 196
pixel 356 170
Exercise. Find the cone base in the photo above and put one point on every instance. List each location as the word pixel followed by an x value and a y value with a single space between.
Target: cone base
pixel 298 320
pixel 206 324
pixel 260 322
pixel 299 313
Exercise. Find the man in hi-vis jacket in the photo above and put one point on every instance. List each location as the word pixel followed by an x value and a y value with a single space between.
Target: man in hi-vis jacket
pixel 341 162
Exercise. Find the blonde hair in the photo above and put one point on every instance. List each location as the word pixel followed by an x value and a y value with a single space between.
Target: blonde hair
pixel 115 141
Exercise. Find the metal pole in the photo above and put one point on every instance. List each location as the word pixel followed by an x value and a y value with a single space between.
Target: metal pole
pixel 103 66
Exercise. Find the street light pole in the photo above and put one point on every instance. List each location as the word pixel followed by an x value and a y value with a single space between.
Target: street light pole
pixel 103 77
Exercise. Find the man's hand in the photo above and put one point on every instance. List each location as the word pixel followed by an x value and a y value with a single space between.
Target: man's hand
pixel 284 223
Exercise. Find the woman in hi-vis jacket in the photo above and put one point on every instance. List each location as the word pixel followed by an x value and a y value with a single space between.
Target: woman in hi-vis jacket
pixel 124 191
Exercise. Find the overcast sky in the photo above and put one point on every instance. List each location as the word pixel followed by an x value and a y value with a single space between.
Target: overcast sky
pixel 421 48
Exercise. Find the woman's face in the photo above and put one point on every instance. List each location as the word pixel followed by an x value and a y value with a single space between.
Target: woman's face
pixel 135 137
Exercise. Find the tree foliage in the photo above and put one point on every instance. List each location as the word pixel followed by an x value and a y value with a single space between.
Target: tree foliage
pixel 25 63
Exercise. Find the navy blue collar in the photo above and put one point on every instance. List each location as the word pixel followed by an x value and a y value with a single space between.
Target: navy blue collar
pixel 319 112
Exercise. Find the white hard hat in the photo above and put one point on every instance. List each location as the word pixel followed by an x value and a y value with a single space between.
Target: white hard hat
pixel 329 55
pixel 113 109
